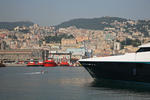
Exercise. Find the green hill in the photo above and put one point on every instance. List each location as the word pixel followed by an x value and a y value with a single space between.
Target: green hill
pixel 93 23
pixel 142 26
pixel 12 25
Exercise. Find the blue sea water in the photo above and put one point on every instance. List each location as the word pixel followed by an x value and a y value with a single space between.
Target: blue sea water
pixel 63 83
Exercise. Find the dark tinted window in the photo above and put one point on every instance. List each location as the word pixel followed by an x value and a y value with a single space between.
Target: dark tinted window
pixel 145 49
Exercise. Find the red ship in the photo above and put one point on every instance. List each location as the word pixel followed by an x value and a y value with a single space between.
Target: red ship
pixel 50 63
pixel 64 62
pixel 31 63
pixel 40 63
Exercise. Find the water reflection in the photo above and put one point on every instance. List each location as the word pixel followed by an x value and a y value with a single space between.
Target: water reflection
pixel 122 85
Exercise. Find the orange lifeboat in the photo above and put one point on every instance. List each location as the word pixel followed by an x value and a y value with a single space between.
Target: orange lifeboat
pixel 50 63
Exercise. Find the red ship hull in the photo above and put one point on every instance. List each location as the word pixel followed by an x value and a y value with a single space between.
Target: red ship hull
pixel 40 64
pixel 50 63
pixel 31 64
pixel 64 64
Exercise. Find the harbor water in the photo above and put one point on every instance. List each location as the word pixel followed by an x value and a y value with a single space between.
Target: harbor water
pixel 63 83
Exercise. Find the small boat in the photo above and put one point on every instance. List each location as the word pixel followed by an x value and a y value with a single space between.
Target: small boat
pixel 64 62
pixel 50 63
pixel 40 63
pixel 2 65
pixel 31 63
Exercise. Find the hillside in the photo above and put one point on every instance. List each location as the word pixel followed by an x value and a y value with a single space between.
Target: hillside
pixel 93 23
pixel 12 25
pixel 129 26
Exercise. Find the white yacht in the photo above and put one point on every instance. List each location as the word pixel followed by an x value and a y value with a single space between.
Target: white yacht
pixel 130 66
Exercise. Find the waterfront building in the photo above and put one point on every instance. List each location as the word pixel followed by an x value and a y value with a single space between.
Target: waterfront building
pixel 117 46
pixel 21 55
pixel 65 42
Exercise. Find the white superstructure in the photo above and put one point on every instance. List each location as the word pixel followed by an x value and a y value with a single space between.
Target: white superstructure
pixel 142 55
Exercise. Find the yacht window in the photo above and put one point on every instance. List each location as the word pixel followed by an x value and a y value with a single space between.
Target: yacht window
pixel 145 49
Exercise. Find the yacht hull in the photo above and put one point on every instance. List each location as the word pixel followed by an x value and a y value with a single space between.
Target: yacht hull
pixel 129 71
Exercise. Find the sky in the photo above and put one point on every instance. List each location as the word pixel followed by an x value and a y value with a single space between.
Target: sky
pixel 54 12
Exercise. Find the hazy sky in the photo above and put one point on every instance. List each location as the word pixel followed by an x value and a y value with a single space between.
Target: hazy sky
pixel 53 12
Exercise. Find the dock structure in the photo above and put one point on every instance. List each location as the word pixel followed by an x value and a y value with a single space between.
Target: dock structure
pixel 25 55
pixel 59 56
pixel 20 55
